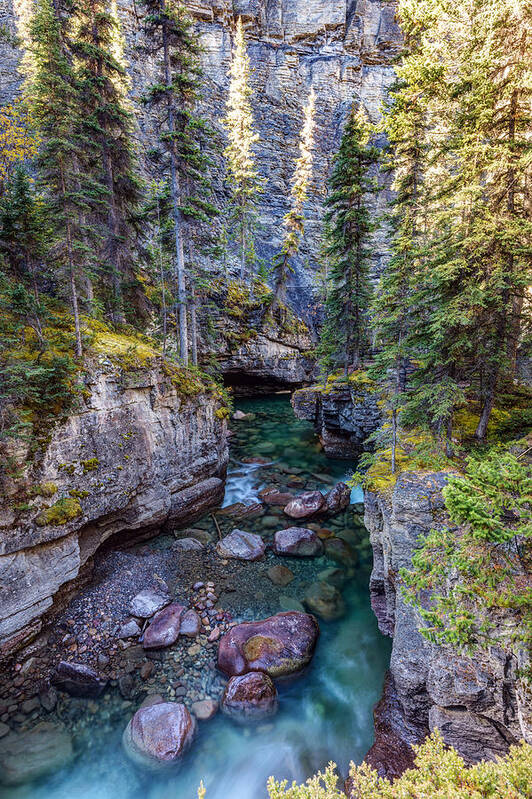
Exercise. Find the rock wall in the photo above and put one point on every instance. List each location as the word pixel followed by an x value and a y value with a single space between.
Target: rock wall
pixel 343 416
pixel 137 455
pixel 480 705
pixel 341 48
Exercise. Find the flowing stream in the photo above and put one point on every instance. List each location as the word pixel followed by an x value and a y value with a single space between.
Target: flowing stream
pixel 325 714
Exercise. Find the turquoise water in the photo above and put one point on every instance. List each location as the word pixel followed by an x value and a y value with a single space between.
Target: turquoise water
pixel 326 714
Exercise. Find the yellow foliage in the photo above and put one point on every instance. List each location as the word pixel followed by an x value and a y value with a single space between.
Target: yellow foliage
pixel 18 140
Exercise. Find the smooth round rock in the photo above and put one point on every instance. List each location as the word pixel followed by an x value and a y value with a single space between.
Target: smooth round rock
pixel 77 679
pixel 305 505
pixel 280 575
pixel 159 735
pixel 164 628
pixel 250 697
pixel 278 646
pixel 190 624
pixel 205 709
pixel 298 542
pixel 241 545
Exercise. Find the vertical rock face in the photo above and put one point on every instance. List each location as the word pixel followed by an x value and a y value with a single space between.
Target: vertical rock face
pixel 479 703
pixel 342 48
pixel 343 416
pixel 136 456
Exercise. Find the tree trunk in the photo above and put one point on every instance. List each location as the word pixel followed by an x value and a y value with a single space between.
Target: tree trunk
pixel 243 249
pixel 72 276
pixel 161 277
pixel 193 329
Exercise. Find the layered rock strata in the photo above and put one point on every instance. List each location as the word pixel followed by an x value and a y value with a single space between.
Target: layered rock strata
pixel 135 456
pixel 479 704
pixel 343 416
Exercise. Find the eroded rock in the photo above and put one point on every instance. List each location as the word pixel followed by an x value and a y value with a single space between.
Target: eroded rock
pixel 338 498
pixel 305 505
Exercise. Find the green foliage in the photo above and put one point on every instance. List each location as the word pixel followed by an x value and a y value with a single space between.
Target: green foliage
pixel 488 556
pixel 344 337
pixel 62 512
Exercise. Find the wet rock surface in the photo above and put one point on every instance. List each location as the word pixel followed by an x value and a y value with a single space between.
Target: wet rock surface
pixel 164 628
pixel 29 755
pixel 241 545
pixel 279 646
pixel 299 542
pixel 305 505
pixel 250 697
pixel 159 735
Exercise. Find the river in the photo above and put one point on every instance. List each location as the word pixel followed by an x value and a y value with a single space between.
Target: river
pixel 326 714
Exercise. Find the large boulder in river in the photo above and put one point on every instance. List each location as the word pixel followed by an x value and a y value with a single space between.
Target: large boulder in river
pixel 250 697
pixel 147 602
pixel 299 542
pixel 305 505
pixel 158 736
pixel 77 679
pixel 164 627
pixel 338 498
pixel 278 646
pixel 241 545
pixel 26 756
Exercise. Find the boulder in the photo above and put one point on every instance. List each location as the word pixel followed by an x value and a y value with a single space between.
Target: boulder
pixel 241 545
pixel 276 498
pixel 280 575
pixel 338 550
pixel 164 627
pixel 26 756
pixel 305 505
pixel 325 601
pixel 190 624
pixel 278 646
pixel 338 498
pixel 239 416
pixel 299 542
pixel 250 697
pixel 205 709
pixel 77 679
pixel 129 629
pixel 147 602
pixel 158 735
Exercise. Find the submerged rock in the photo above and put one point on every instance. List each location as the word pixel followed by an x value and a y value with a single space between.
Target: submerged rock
pixel 305 505
pixel 147 602
pixel 164 628
pixel 241 545
pixel 279 645
pixel 29 755
pixel 158 735
pixel 205 709
pixel 77 679
pixel 250 697
pixel 300 542
pixel 280 575
pixel 325 600
pixel 338 550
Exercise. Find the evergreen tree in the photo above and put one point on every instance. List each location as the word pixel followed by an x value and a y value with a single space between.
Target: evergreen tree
pixel 55 99
pixel 344 338
pixel 238 123
pixel 294 221
pixel 108 125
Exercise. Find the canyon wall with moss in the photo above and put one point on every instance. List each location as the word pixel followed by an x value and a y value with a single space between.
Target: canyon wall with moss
pixel 137 453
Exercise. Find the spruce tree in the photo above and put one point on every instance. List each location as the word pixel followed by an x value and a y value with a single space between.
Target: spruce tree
pixel 294 221
pixel 238 123
pixel 344 337
pixel 107 123
pixel 55 98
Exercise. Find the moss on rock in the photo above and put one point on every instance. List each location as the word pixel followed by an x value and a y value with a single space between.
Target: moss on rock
pixel 61 512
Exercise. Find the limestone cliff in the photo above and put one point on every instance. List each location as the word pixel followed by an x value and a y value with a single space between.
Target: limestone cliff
pixel 344 414
pixel 480 704
pixel 136 455
pixel 342 48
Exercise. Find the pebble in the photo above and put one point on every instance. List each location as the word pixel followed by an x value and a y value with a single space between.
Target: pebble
pixel 30 705
pixel 146 670
pixel 194 650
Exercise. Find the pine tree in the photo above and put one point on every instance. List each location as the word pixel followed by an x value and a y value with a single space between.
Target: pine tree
pixel 344 338
pixel 107 123
pixel 238 123
pixel 55 100
pixel 294 221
